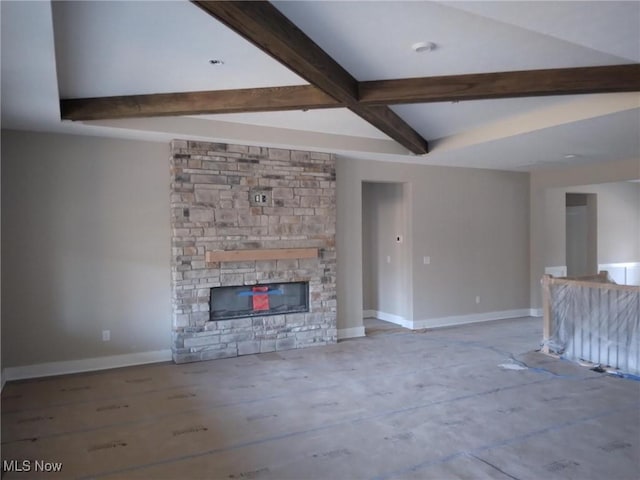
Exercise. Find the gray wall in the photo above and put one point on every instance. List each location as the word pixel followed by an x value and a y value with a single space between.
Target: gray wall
pixel 547 189
pixel 383 219
pixel 86 244
pixel 474 224
pixel 618 220
pixel 85 247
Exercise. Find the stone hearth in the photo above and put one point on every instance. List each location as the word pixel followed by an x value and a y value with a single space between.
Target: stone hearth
pixel 235 197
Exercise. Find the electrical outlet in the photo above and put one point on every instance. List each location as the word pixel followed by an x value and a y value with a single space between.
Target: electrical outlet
pixel 106 335
pixel 388 258
pixel 260 198
pixel 426 260
pixel 478 299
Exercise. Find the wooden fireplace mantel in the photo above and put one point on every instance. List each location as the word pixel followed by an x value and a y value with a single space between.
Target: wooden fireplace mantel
pixel 261 254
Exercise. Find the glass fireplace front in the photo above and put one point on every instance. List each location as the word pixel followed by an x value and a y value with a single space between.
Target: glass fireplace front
pixel 258 300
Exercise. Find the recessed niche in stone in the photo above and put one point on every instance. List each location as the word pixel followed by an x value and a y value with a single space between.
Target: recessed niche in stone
pixel 258 300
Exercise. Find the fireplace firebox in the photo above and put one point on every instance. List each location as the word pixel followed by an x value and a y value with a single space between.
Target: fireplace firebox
pixel 258 300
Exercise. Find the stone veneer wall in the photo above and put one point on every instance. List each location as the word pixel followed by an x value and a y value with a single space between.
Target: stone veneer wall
pixel 211 187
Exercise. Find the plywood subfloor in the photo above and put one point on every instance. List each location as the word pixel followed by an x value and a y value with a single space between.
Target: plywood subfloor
pixel 396 404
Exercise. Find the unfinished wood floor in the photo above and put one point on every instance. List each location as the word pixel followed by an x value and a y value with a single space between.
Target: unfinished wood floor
pixel 394 405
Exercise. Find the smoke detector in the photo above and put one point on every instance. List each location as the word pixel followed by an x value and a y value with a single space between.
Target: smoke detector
pixel 420 47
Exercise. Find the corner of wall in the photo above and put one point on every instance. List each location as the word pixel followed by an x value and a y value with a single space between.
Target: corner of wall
pixel 352 332
pixel 535 312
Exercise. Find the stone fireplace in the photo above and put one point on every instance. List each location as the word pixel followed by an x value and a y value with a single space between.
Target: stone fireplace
pixel 253 259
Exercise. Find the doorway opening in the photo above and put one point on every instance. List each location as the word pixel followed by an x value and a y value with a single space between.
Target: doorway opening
pixel 581 234
pixel 385 254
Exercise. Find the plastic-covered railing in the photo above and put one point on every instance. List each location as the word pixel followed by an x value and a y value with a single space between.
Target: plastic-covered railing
pixel 594 320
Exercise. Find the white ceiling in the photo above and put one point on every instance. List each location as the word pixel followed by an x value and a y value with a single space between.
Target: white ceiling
pixel 372 40
pixel 121 48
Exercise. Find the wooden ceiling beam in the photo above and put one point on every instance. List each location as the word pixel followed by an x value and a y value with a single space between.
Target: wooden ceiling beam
pixel 264 26
pixel 268 99
pixel 332 86
pixel 529 83
pixel 607 79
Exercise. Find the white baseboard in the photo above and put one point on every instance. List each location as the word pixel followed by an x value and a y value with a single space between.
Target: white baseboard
pixel 471 318
pixel 352 332
pixel 390 317
pixel 453 320
pixel 84 365
pixel 369 313
pixel 535 312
